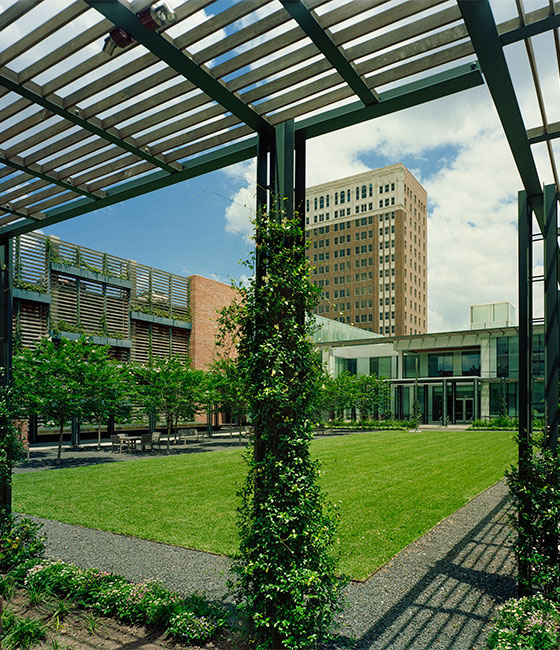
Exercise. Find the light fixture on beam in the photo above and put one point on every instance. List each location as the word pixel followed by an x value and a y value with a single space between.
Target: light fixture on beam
pixel 157 16
pixel 152 18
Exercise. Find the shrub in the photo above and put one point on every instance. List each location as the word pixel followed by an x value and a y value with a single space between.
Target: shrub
pixel 188 628
pixel 20 546
pixel 56 577
pixel 538 497
pixel 524 624
pixel 19 632
pixel 499 422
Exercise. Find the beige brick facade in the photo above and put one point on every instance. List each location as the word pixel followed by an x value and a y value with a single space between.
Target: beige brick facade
pixel 367 248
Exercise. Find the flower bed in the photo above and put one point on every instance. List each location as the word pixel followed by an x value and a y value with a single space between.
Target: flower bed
pixel 188 619
pixel 526 624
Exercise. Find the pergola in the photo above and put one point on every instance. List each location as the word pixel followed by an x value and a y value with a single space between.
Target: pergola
pixel 124 98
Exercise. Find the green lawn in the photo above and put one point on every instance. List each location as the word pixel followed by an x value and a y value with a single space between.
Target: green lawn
pixel 391 488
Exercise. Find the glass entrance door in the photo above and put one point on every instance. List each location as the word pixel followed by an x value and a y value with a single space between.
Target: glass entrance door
pixel 464 408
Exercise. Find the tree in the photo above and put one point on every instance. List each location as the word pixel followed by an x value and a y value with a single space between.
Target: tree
pixel 229 385
pixel 170 387
pixel 105 385
pixel 50 381
pixel 342 391
pixel 285 568
pixel 370 395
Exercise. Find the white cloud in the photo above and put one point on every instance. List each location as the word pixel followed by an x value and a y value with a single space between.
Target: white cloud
pixel 241 211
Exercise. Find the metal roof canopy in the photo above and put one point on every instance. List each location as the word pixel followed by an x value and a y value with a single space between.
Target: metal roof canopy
pixel 83 131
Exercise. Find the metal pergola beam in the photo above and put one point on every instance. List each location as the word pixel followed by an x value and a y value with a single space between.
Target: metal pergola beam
pixel 525 305
pixel 540 134
pixel 34 170
pixel 532 29
pixel 551 323
pixel 75 118
pixel 23 213
pixel 419 92
pixel 200 165
pixel 413 94
pixel 122 17
pixel 322 39
pixel 484 36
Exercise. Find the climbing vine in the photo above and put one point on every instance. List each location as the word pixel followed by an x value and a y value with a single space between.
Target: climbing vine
pixel 285 572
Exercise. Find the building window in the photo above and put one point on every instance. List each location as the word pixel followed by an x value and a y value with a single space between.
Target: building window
pixel 315 202
pixel 471 364
pixel 440 365
pixel 409 366
pixel 307 205
pixel 328 197
pixel 342 197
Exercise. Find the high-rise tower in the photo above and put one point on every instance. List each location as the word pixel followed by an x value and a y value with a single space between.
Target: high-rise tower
pixel 368 240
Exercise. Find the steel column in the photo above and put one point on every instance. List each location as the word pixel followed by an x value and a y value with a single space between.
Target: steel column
pixel 6 314
pixel 263 191
pixel 525 304
pixel 75 431
pixel 284 169
pixel 551 330
pixel 6 310
pixel 444 403
pixel 476 413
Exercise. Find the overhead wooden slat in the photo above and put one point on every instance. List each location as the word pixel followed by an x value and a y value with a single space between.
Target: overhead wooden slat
pixel 262 91
pixel 391 75
pixel 341 14
pixel 45 30
pixel 413 49
pixel 16 11
pixel 310 89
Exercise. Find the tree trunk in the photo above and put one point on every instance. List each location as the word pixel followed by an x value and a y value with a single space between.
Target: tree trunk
pixel 59 454
pixel 168 433
pixel 98 435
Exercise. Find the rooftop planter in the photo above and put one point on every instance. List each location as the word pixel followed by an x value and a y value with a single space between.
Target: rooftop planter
pixel 98 340
pixel 160 320
pixel 80 272
pixel 33 296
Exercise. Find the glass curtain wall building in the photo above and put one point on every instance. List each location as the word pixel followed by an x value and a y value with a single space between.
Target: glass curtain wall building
pixel 456 377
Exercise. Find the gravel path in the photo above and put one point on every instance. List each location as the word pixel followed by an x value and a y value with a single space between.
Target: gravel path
pixel 436 594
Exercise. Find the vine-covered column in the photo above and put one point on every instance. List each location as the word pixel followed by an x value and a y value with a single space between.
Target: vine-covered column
pixel 286 569
pixel 6 311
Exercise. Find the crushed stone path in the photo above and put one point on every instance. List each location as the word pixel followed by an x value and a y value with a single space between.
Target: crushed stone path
pixel 437 594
